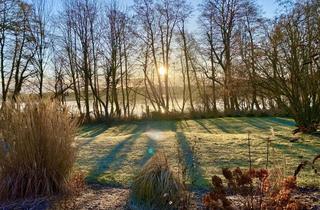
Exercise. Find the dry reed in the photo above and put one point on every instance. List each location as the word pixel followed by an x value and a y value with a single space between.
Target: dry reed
pixel 156 186
pixel 37 152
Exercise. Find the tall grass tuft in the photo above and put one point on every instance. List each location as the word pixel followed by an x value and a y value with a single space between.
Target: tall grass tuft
pixel 37 152
pixel 156 186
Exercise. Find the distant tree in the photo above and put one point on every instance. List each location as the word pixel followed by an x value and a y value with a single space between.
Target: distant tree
pixel 250 32
pixel 145 16
pixel 184 42
pixel 219 18
pixel 68 48
pixel 159 20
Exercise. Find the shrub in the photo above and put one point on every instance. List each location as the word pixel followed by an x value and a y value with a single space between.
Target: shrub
pixel 156 186
pixel 38 152
pixel 255 189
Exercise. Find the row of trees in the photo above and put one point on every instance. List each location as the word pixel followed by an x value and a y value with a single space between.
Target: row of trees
pixel 110 59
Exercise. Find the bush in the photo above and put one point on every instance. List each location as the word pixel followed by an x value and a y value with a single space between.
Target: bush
pixel 256 190
pixel 156 186
pixel 38 149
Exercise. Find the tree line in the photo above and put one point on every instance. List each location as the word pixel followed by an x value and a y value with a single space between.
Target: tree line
pixel 110 59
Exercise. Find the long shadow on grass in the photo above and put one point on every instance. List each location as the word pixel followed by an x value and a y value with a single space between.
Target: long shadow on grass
pixel 294 149
pixel 255 122
pixel 281 121
pixel 308 148
pixel 93 130
pixel 200 122
pixel 287 150
pixel 225 126
pixel 270 122
pixel 106 162
pixel 162 125
pixel 183 125
pixel 195 172
pixel 150 150
pixel 126 128
pixel 90 132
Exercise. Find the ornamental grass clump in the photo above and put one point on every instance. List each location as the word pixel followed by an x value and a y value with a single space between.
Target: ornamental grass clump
pixel 37 149
pixel 156 186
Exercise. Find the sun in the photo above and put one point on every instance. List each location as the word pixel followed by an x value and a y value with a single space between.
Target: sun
pixel 162 71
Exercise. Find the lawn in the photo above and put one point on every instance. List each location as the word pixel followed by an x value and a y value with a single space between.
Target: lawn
pixel 113 154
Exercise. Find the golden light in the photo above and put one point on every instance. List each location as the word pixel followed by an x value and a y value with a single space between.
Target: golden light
pixel 162 71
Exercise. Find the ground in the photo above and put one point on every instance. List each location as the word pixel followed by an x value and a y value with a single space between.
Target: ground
pixel 113 154
pixel 97 197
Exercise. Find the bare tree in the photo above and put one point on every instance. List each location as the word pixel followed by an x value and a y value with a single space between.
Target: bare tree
pixel 250 34
pixel 185 49
pixel 219 18
pixel 8 12
pixel 40 31
pixel 25 48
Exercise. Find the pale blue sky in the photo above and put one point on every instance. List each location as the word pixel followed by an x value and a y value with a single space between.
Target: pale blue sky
pixel 268 7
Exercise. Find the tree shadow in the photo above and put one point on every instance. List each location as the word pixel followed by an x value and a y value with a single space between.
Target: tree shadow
pixel 293 148
pixel 203 125
pixel 311 149
pixel 162 125
pixel 255 123
pixel 90 132
pixel 126 128
pixel 222 125
pixel 270 122
pixel 191 160
pixel 281 121
pixel 114 159
pixel 183 125
pixel 85 142
pixel 286 149
pixel 93 130
pixel 150 150
pixel 106 162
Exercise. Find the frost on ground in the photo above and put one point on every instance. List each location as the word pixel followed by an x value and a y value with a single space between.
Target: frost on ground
pixel 106 198
pixel 112 154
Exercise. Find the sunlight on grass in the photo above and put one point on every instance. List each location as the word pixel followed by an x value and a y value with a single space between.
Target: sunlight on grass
pixel 114 154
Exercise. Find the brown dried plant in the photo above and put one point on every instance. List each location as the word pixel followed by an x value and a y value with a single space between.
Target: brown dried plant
pixel 253 190
pixel 157 186
pixel 37 152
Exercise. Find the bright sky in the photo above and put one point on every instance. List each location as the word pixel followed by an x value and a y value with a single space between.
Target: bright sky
pixel 268 8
